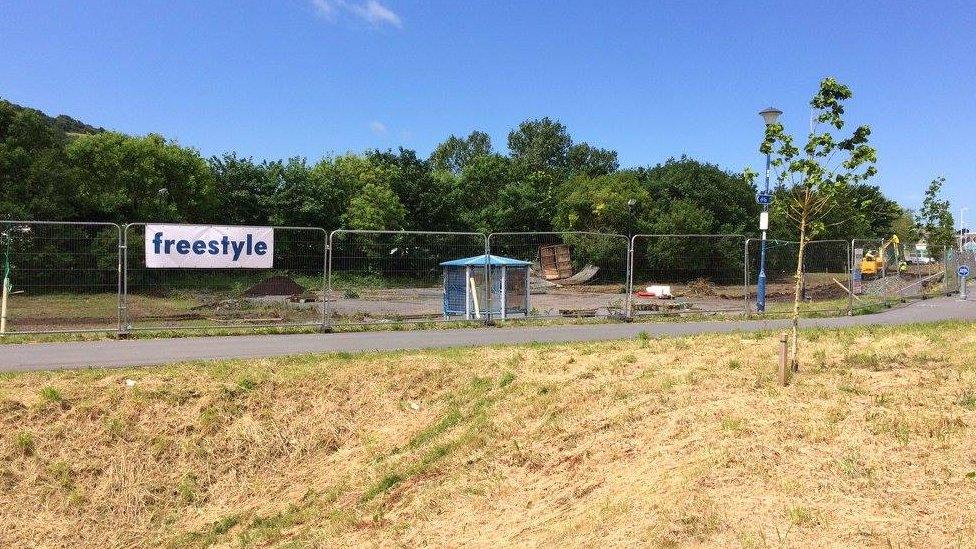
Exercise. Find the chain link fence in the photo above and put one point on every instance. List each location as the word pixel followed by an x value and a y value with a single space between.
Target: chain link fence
pixel 62 276
pixel 570 274
pixel 288 294
pixel 400 276
pixel 688 273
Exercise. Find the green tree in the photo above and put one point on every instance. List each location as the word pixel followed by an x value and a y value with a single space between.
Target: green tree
pixel 479 190
pixel 319 196
pixel 123 179
pixel 816 176
pixel 429 196
pixel 32 167
pixel 376 207
pixel 454 154
pixel 244 190
pixel 905 227
pixel 528 202
pixel 688 197
pixel 600 204
pixel 583 159
pixel 934 220
pixel 540 145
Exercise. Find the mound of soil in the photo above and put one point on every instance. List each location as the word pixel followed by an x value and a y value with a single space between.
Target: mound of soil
pixel 275 285
pixel 824 292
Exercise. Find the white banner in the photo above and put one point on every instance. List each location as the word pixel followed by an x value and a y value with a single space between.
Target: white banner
pixel 209 247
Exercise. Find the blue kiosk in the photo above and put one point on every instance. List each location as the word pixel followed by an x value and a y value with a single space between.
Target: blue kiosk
pixel 465 292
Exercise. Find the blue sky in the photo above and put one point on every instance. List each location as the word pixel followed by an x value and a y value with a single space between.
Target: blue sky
pixel 649 79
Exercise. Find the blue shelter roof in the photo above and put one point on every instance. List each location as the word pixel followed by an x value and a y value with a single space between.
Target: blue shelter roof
pixel 479 261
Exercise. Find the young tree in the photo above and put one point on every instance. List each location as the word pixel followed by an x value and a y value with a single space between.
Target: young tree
pixel 934 220
pixel 816 176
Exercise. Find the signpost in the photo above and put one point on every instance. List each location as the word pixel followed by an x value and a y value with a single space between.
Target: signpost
pixel 764 199
pixel 963 273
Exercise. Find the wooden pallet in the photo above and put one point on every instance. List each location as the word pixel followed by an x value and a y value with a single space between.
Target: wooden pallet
pixel 556 261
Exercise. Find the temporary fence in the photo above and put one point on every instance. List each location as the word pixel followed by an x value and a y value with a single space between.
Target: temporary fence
pixel 954 259
pixel 401 276
pixel 869 270
pixel 570 274
pixel 826 275
pixel 780 270
pixel 69 276
pixel 60 276
pixel 290 293
pixel 883 271
pixel 688 273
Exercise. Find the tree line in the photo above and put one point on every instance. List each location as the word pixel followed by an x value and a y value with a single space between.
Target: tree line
pixel 544 180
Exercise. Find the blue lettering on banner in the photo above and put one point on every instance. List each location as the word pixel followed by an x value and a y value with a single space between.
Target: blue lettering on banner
pixel 199 247
pixel 204 246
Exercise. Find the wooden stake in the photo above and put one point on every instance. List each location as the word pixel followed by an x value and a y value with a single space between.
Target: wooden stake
pixel 839 283
pixel 784 377
pixel 474 296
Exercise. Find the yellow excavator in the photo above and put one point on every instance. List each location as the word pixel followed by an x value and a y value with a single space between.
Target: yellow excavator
pixel 873 262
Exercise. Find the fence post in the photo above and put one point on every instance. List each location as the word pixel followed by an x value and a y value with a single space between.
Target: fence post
pixel 489 289
pixel 327 251
pixel 124 302
pixel 629 285
pixel 327 304
pixel 745 277
pixel 850 276
pixel 120 275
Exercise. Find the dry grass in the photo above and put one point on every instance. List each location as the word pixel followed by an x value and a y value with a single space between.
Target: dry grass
pixel 673 442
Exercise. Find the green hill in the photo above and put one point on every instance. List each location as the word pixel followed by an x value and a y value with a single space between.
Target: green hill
pixel 61 122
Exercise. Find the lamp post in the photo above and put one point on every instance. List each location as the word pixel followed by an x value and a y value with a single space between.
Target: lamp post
pixel 962 227
pixel 770 116
pixel 630 216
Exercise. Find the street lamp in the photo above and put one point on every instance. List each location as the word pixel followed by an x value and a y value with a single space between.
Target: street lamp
pixel 770 116
pixel 630 215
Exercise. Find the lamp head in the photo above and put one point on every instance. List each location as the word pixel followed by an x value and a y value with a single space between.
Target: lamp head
pixel 770 115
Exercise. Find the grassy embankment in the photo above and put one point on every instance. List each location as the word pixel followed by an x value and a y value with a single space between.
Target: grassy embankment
pixel 668 442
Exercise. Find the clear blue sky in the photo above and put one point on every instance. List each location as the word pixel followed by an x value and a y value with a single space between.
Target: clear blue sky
pixel 273 79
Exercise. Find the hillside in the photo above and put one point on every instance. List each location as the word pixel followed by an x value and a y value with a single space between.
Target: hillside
pixel 677 442
pixel 61 122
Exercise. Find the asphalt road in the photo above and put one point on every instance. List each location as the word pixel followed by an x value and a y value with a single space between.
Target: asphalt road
pixel 143 352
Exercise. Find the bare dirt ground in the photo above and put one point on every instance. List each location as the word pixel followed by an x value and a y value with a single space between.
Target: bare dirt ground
pixel 678 442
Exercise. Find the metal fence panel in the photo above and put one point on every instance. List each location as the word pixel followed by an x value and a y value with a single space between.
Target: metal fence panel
pixel 955 258
pixel 903 271
pixel 826 275
pixel 288 294
pixel 572 274
pixel 780 273
pixel 397 276
pixel 64 276
pixel 695 273
pixel 868 282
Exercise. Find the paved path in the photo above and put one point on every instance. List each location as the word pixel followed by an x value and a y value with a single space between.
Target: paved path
pixel 141 352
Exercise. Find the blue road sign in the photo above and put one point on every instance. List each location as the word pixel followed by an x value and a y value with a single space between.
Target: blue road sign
pixel 964 270
pixel 764 199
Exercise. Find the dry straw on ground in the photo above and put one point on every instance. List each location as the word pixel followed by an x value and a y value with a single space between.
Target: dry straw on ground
pixel 653 442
